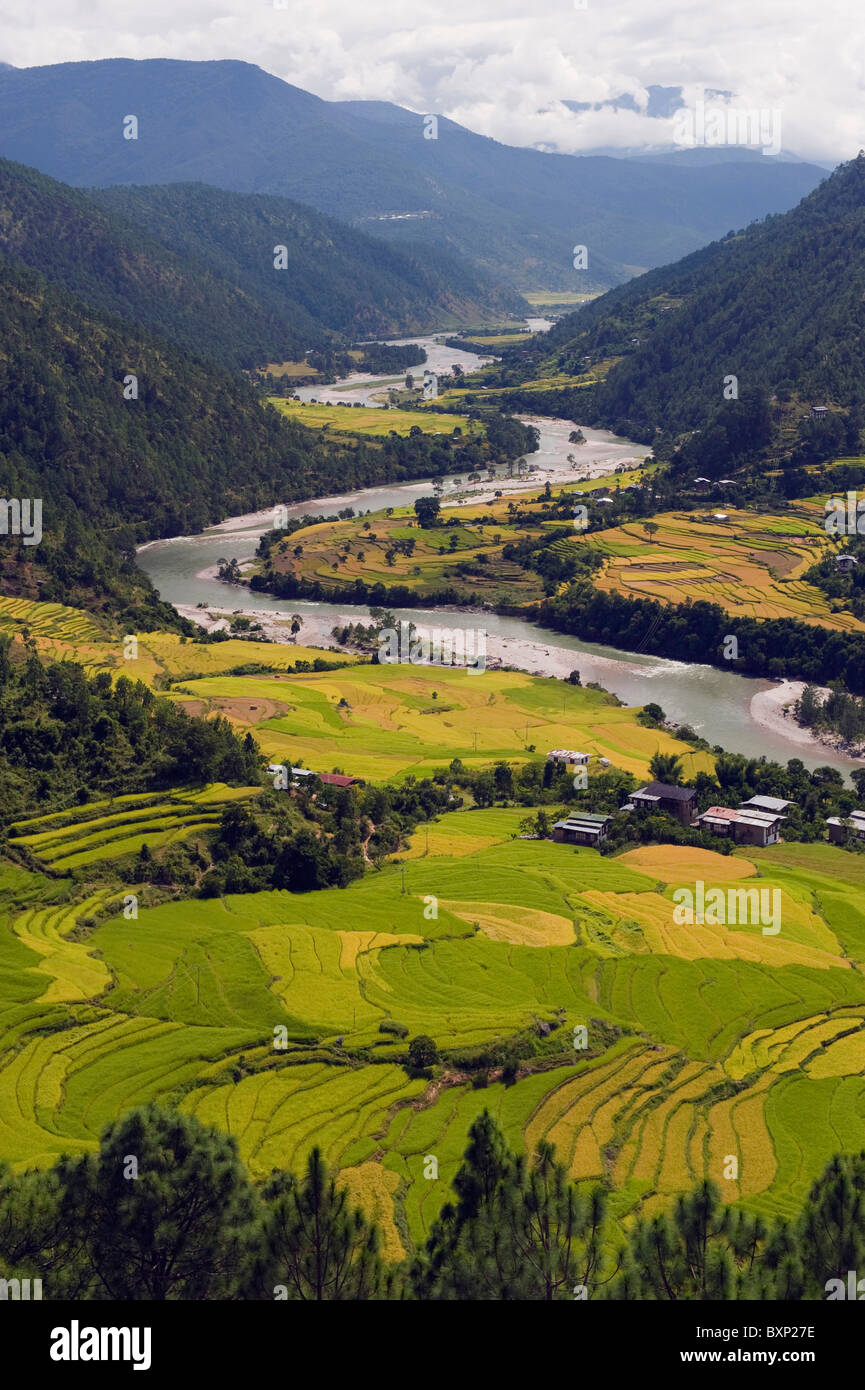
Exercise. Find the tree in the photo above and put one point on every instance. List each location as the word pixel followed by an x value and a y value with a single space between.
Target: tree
pixel 666 767
pixel 422 1052
pixel 504 781
pixel 296 624
pixel 808 707
pixel 519 1231
pixel 702 1251
pixel 427 511
pixel 164 1210
pixel 484 789
pixel 830 1234
pixel 228 571
pixel 319 1248
pixel 650 528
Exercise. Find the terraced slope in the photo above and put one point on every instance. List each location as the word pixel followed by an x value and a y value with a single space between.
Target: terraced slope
pixel 406 719
pixel 718 1051
pixel 749 562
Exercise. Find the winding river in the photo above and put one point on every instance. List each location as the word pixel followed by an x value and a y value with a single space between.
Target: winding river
pixel 716 703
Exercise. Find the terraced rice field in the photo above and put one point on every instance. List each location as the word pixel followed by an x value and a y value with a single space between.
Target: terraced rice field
pixel 751 563
pixel 705 1045
pixel 110 829
pixel 371 420
pixel 70 634
pixel 338 553
pixel 404 719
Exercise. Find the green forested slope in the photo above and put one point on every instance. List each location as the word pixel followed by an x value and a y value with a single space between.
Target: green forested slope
pixel 196 265
pixel 780 306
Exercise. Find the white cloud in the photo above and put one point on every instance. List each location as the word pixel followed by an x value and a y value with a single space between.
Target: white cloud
pixel 501 67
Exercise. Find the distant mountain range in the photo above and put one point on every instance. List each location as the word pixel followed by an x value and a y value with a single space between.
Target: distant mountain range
pixel 517 214
pixel 780 307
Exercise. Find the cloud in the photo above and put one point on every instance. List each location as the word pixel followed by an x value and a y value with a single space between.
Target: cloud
pixel 501 67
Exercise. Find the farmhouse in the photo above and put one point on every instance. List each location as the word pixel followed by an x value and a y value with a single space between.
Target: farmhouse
pixel 582 828
pixel 299 775
pixel 568 757
pixel 819 411
pixel 744 827
pixel 660 796
pixel 775 804
pixel 845 563
pixel 839 828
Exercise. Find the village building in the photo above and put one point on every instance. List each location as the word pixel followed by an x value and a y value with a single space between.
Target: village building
pixel 661 796
pixel 845 563
pixel 766 803
pixel 840 828
pixel 299 775
pixel 582 828
pixel 744 826
pixel 568 757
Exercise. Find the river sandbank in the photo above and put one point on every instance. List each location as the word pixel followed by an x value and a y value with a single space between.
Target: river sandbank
pixel 773 709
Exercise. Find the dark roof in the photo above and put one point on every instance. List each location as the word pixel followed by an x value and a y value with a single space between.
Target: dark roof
pixel 668 793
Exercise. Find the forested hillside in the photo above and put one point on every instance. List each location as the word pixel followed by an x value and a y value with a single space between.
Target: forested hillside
pixel 125 438
pixel 196 264
pixel 66 737
pixel 779 306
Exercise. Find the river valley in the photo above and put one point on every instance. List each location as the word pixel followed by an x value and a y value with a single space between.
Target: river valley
pixel 740 713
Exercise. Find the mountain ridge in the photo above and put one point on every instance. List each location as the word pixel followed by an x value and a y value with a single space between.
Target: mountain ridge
pixel 515 212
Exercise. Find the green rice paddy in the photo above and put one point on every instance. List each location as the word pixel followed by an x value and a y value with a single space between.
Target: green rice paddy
pixel 261 1013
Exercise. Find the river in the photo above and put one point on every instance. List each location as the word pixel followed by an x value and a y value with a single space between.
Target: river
pixel 716 703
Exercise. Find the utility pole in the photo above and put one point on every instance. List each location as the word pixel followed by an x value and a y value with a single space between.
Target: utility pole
pixel 402 871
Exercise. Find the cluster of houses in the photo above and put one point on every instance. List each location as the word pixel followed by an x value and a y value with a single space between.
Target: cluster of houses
pixel 755 822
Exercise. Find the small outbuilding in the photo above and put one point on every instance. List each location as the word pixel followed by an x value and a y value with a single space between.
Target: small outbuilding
pixel 568 757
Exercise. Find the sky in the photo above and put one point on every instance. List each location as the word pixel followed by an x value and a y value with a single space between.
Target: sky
pixel 505 68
